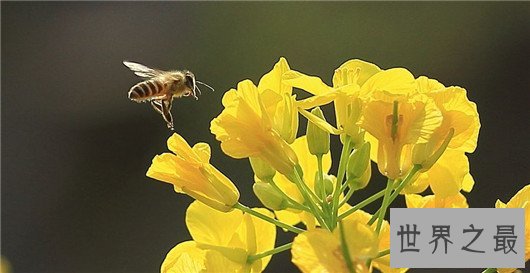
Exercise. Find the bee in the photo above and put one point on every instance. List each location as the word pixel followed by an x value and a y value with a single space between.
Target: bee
pixel 161 87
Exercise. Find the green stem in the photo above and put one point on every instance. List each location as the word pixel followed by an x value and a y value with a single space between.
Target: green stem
pixel 345 250
pixel 273 251
pixel 362 204
pixel 384 205
pixel 346 197
pixel 343 187
pixel 382 253
pixel 320 181
pixel 293 203
pixel 490 270
pixel 340 176
pixel 399 188
pixel 264 217
pixel 311 195
pixel 304 190
pixel 405 182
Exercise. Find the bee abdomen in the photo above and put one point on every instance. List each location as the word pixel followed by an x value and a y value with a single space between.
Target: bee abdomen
pixel 145 90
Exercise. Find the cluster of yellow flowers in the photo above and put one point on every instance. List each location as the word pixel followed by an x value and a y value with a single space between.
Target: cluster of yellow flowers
pixel 417 130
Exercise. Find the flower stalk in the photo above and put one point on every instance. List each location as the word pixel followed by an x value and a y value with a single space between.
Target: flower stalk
pixel 264 217
pixel 326 210
pixel 306 193
pixel 340 177
pixel 384 205
pixel 363 204
pixel 273 251
pixel 398 189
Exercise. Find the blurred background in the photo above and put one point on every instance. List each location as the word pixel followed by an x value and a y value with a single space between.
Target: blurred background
pixel 75 150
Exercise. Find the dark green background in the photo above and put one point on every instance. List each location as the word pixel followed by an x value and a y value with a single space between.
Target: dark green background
pixel 75 150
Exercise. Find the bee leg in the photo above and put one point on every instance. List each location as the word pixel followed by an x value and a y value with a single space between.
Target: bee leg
pixel 157 105
pixel 166 112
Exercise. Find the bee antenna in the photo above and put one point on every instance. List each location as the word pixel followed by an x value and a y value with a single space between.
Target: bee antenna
pixel 211 88
pixel 198 89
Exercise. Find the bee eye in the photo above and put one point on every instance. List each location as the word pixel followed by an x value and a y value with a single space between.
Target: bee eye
pixel 190 82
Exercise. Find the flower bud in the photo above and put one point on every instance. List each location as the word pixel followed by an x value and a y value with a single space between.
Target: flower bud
pixel 361 182
pixel 261 169
pixel 189 171
pixel 269 196
pixel 358 161
pixel 327 185
pixel 286 119
pixel 317 139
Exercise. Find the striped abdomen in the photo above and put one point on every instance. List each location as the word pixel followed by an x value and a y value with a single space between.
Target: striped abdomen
pixel 146 90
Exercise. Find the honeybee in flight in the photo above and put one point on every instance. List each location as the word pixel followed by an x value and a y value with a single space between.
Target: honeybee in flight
pixel 161 87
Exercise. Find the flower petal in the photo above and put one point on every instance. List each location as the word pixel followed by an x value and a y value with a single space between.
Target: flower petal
pixel 521 200
pixel 288 217
pixel 460 114
pixel 447 174
pixel 163 169
pixel 367 70
pixel 273 79
pixel 426 85
pixel 311 84
pixel 315 101
pixel 318 251
pixel 203 151
pixel 204 225
pixel 185 257
pixel 397 81
pixel 432 201
pixel 216 262
pixel 263 237
pixel 361 239
pixel 177 144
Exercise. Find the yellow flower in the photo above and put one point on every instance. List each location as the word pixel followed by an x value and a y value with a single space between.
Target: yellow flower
pixel 426 85
pixel 347 79
pixel 446 178
pixel 319 250
pixel 520 200
pixel 345 74
pixel 222 242
pixel 245 129
pixel 433 201
pixel 459 114
pixel 279 101
pixel 308 164
pixel 190 172
pixel 395 122
pixel 344 93
pixel 322 94
pixel 450 173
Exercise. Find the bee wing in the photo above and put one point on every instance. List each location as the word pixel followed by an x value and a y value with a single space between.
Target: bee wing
pixel 142 70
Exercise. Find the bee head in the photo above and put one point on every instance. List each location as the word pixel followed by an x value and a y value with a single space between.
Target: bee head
pixel 189 80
